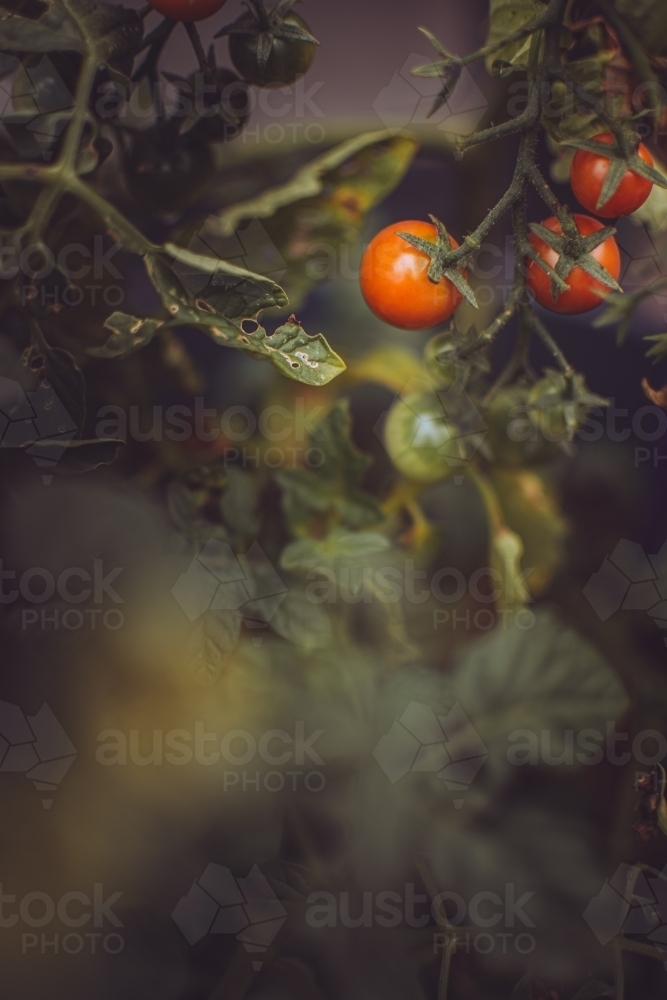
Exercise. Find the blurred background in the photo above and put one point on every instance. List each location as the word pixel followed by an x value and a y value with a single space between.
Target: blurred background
pixel 118 860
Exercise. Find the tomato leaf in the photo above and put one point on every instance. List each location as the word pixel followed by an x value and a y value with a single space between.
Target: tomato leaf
pixel 332 491
pixel 323 206
pixel 544 678
pixel 506 16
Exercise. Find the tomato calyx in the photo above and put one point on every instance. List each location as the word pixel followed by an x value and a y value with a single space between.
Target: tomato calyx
pixel 267 25
pixel 623 155
pixel 574 250
pixel 449 358
pixel 218 99
pixel 445 261
pixel 569 397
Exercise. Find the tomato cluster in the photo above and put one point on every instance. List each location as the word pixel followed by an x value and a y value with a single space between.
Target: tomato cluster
pixel 395 278
pixel 169 166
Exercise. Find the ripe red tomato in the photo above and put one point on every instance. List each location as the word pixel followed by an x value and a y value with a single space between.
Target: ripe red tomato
pixel 187 10
pixel 584 292
pixel 395 283
pixel 587 175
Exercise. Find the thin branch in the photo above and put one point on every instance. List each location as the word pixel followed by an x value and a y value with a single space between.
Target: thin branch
pixel 548 341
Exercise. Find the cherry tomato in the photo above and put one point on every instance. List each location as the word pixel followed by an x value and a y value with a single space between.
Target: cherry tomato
pixel 584 292
pixel 395 282
pixel 514 435
pixel 587 175
pixel 421 443
pixel 288 60
pixel 187 10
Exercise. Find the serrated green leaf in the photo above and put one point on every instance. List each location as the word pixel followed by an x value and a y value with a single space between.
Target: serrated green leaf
pixel 299 356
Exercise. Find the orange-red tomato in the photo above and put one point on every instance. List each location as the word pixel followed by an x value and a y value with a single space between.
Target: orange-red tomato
pixel 395 282
pixel 584 292
pixel 587 175
pixel 187 10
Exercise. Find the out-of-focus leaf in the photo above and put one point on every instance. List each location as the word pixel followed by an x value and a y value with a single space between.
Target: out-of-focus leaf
pixel 182 505
pixel 338 547
pixel 320 210
pixel 74 457
pixel 302 622
pixel 532 513
pixel 109 32
pixel 390 366
pixel 506 16
pixel 518 683
pixel 647 19
pixel 213 637
pixel 239 501
pixel 659 350
pixel 64 378
pixel 333 490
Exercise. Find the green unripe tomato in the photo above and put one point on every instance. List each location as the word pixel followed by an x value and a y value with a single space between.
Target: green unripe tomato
pixel 551 411
pixel 442 372
pixel 421 443
pixel 514 436
pixel 288 60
